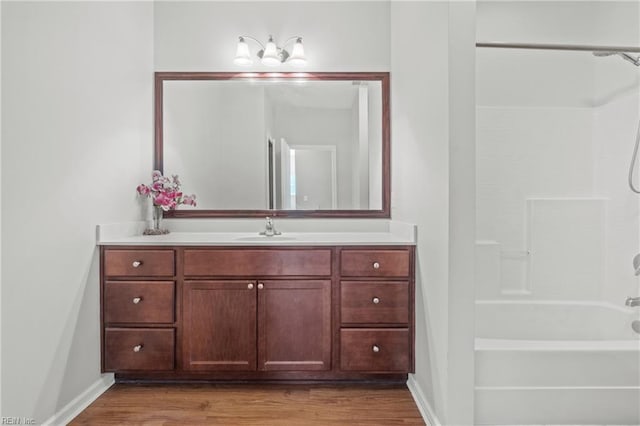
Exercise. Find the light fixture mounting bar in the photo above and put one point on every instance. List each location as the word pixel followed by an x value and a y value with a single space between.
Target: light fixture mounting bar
pixel 271 54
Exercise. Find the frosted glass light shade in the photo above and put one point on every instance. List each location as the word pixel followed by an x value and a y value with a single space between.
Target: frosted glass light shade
pixel 270 56
pixel 297 57
pixel 243 57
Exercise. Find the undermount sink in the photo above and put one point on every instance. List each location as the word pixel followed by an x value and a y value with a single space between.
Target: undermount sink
pixel 265 238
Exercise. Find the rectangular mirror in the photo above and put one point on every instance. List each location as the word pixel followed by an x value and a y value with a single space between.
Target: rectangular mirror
pixel 276 144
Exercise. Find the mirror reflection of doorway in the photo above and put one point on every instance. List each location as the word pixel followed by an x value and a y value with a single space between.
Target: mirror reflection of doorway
pixel 308 176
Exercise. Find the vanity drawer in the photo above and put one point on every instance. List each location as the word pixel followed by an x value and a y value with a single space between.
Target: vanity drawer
pixel 138 349
pixel 363 302
pixel 139 302
pixel 374 263
pixel 139 263
pixel 257 262
pixel 374 349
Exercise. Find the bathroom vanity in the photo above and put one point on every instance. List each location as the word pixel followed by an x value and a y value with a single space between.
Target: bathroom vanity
pixel 233 306
pixel 232 310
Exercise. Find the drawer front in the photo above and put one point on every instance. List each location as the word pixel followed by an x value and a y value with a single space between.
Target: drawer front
pixel 138 349
pixel 364 302
pixel 139 263
pixel 374 349
pixel 256 262
pixel 139 302
pixel 374 263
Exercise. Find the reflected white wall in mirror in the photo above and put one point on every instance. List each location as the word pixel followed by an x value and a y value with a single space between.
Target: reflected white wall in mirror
pixel 308 177
pixel 217 134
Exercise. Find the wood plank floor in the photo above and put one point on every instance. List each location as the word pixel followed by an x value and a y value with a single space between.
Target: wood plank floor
pixel 266 405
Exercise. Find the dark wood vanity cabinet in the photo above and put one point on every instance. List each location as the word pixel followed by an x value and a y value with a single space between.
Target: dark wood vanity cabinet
pixel 138 310
pixel 265 325
pixel 376 312
pixel 245 313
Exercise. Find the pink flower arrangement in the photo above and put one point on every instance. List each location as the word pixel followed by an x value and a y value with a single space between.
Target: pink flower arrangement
pixel 165 192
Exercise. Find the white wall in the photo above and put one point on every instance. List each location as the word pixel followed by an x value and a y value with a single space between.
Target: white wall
pixel 420 172
pixel 214 135
pixel 338 36
pixel 432 98
pixel 314 174
pixel 0 218
pixel 558 22
pixel 321 126
pixel 76 140
pixel 462 201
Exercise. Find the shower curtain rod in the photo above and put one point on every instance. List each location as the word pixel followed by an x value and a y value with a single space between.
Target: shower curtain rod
pixel 575 47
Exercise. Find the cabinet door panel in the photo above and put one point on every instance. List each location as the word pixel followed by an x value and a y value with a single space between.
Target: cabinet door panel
pixel 294 326
pixel 219 325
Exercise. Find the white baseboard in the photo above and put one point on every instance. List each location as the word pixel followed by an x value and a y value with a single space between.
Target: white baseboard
pixel 426 411
pixel 82 401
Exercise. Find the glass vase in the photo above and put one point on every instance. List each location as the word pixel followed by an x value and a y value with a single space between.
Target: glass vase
pixel 156 224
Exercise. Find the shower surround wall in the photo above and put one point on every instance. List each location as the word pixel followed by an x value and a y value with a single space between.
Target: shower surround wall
pixel 555 218
pixel 557 225
pixel 616 116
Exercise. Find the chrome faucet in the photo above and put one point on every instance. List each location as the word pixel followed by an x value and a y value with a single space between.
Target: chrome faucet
pixel 632 301
pixel 270 229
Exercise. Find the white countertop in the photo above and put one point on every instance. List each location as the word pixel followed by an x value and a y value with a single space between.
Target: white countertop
pixel 131 234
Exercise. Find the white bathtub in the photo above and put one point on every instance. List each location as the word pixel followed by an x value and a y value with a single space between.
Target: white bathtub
pixel 556 363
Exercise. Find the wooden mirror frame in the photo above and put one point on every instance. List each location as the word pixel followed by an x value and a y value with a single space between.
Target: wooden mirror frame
pixel 383 77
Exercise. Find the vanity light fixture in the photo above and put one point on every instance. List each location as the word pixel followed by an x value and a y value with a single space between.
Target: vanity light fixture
pixel 271 54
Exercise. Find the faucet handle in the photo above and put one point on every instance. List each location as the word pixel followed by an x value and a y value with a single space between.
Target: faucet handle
pixel 632 301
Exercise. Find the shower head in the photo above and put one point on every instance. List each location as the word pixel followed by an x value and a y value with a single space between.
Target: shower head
pixel 636 264
pixel 625 56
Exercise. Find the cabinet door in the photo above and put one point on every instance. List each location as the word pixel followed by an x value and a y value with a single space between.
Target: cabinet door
pixel 294 325
pixel 219 325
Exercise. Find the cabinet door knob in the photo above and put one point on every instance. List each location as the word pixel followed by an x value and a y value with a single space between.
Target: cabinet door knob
pixel 137 300
pixel 375 348
pixel 376 265
pixel 136 263
pixel 260 286
pixel 250 286
pixel 138 348
pixel 375 300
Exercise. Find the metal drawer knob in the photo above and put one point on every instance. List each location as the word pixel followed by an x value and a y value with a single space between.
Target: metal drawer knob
pixel 376 265
pixel 136 263
pixel 137 300
pixel 260 286
pixel 138 348
pixel 375 348
pixel 250 286
pixel 375 300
